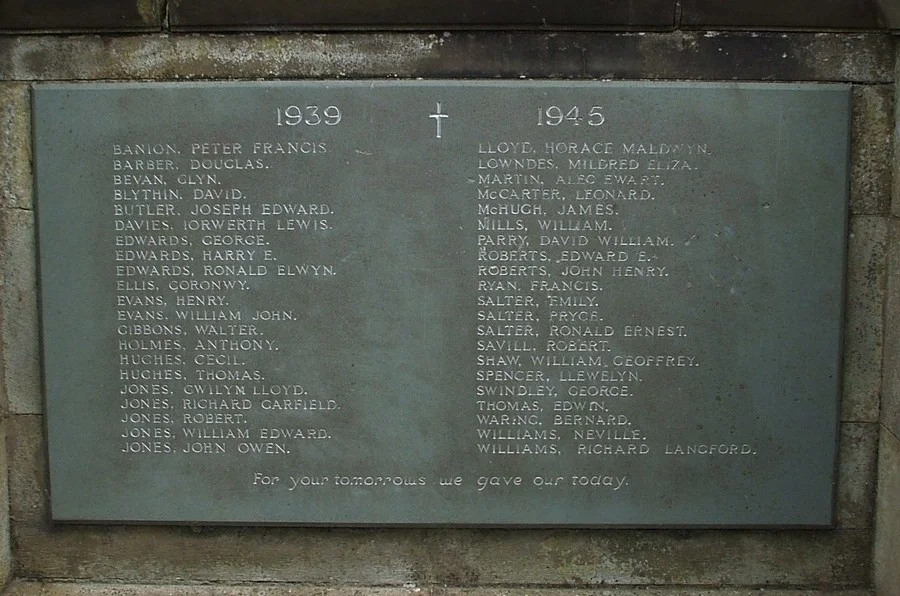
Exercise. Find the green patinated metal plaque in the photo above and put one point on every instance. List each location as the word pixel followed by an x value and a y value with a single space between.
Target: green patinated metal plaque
pixel 511 303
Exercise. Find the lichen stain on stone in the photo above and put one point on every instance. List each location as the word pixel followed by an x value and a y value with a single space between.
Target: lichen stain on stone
pixel 857 57
pixel 655 46
pixel 149 11
pixel 281 56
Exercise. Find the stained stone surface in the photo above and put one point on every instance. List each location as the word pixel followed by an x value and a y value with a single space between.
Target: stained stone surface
pixel 767 56
pixel 442 303
pixel 21 349
pixel 15 146
pixel 864 332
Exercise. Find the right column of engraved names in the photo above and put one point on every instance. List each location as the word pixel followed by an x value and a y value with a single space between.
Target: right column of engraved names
pixel 564 244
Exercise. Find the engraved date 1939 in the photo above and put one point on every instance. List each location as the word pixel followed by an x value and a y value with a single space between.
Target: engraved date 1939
pixel 311 115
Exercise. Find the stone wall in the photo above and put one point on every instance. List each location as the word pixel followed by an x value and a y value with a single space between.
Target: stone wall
pixel 887 538
pixel 453 560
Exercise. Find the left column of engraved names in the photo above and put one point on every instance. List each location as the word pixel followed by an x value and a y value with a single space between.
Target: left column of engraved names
pixel 192 241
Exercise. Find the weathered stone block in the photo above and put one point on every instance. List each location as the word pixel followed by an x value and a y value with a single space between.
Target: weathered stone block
pixel 28 491
pixel 761 56
pixel 15 146
pixel 5 551
pixel 21 350
pixel 887 524
pixel 857 475
pixel 890 406
pixel 870 149
pixel 895 204
pixel 842 58
pixel 210 57
pixel 863 326
pixel 446 557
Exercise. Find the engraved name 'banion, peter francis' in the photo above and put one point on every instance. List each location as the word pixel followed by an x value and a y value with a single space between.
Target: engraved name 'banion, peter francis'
pixel 187 244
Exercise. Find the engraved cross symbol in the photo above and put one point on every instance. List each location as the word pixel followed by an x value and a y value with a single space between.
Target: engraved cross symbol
pixel 438 116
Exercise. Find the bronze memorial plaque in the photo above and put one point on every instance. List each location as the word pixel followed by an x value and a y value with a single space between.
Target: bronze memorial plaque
pixel 504 303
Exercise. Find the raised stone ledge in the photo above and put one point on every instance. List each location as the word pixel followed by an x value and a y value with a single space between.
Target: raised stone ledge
pixel 26 588
pixel 860 58
pixel 826 559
